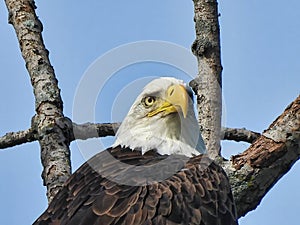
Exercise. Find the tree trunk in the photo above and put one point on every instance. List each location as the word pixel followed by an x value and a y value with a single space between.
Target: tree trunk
pixel 55 153
pixel 208 84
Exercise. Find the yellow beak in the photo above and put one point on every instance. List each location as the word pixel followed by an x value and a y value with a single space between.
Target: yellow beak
pixel 177 99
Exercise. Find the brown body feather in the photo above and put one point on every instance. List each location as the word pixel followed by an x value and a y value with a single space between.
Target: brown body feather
pixel 131 189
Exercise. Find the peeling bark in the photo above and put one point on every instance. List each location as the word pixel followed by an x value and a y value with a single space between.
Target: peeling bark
pixel 208 84
pixel 55 152
pixel 254 172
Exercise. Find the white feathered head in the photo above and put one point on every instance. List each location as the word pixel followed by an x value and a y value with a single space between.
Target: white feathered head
pixel 162 118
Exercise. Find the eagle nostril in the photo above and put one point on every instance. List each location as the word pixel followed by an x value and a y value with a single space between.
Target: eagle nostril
pixel 172 91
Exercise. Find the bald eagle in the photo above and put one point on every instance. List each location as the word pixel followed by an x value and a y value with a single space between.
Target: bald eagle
pixel 156 172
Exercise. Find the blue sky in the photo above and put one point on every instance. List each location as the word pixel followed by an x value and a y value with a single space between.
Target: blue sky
pixel 260 56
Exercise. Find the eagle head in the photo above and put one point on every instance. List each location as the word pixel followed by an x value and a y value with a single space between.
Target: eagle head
pixel 162 118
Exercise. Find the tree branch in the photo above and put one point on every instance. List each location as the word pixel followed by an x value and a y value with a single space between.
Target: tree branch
pixel 239 134
pixel 95 130
pixel 16 138
pixel 254 172
pixel 208 84
pixel 90 130
pixel 85 131
pixel 55 151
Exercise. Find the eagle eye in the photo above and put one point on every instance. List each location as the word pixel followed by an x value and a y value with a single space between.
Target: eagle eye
pixel 148 101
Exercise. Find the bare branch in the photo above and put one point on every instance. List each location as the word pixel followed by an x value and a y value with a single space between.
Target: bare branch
pixel 85 131
pixel 55 151
pixel 239 134
pixel 90 130
pixel 254 172
pixel 208 84
pixel 74 132
pixel 16 138
pixel 95 130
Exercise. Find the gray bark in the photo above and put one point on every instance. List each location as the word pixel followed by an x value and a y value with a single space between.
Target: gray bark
pixel 17 138
pixel 55 153
pixel 208 84
pixel 239 134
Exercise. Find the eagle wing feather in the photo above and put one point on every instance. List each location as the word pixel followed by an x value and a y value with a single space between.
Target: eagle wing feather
pixel 198 192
